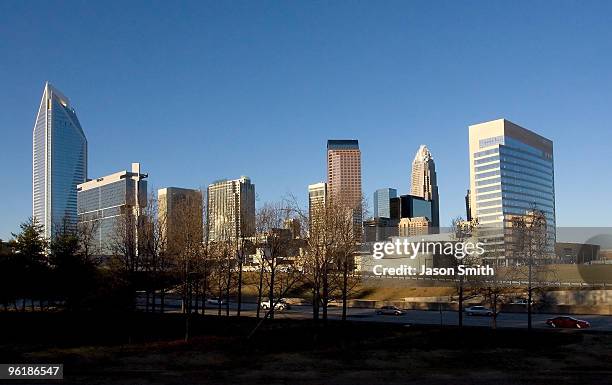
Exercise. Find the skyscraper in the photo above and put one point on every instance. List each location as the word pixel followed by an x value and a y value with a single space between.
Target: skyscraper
pixel 511 174
pixel 382 198
pixel 180 216
pixel 231 209
pixel 344 175
pixel 317 198
pixel 111 206
pixel 424 182
pixel 59 161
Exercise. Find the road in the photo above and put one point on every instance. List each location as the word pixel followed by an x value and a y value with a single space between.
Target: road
pixel 425 317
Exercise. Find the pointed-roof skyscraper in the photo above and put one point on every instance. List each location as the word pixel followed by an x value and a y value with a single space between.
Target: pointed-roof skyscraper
pixel 59 160
pixel 424 182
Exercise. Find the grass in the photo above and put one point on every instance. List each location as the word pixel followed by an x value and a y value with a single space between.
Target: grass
pixel 300 352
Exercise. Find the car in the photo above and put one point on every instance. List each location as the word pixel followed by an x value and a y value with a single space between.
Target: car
pixel 279 305
pixel 215 301
pixel 389 310
pixel 567 322
pixel 521 301
pixel 479 310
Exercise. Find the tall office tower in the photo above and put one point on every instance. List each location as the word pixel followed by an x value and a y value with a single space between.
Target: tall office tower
pixel 344 175
pixel 511 174
pixel 111 207
pixel 59 161
pixel 424 183
pixel 231 209
pixel 382 197
pixel 180 216
pixel 468 209
pixel 317 198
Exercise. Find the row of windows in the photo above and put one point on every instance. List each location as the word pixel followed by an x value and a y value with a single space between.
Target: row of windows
pixel 486 160
pixel 487 174
pixel 508 151
pixel 487 189
pixel 529 184
pixel 488 181
pixel 487 142
pixel 518 145
pixel 528 177
pixel 517 192
pixel 481 154
pixel 496 202
pixel 487 167
pixel 522 164
pixel 489 211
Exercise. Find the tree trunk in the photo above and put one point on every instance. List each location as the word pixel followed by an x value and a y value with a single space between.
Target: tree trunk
pixel 344 289
pixel 239 305
pixel 271 296
pixel 325 299
pixel 162 304
pixel 461 304
pixel 260 289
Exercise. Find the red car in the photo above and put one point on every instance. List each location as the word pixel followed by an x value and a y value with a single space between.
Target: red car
pixel 567 322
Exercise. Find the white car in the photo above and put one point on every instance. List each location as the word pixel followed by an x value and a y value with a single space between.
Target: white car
pixel 215 301
pixel 479 310
pixel 280 305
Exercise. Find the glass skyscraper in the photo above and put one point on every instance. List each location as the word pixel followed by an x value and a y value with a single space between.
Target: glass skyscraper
pixel 511 174
pixel 59 161
pixel 382 197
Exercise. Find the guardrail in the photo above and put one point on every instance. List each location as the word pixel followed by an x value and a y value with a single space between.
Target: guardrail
pixel 602 285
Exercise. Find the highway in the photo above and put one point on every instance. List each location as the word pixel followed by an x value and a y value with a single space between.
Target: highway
pixel 424 317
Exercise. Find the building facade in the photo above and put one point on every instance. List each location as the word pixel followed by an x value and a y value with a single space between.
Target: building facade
pixel 410 206
pixel 424 182
pixel 511 174
pixel 111 207
pixel 382 197
pixel 410 227
pixel 59 161
pixel 180 216
pixel 317 199
pixel 231 209
pixel 344 175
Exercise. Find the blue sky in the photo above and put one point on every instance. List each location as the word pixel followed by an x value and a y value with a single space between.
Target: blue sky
pixel 198 91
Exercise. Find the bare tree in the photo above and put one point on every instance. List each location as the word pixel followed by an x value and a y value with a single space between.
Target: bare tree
pixel 280 256
pixel 126 257
pixel 530 247
pixel 462 231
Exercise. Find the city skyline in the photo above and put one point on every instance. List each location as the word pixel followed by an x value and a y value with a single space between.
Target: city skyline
pixel 375 89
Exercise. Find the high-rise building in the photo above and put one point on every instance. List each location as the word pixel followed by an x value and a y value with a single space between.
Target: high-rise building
pixel 180 216
pixel 344 175
pixel 231 209
pixel 59 161
pixel 382 197
pixel 468 208
pixel 424 182
pixel 111 207
pixel 317 198
pixel 511 174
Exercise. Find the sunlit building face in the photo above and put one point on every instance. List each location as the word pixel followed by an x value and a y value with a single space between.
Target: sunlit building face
pixel 59 161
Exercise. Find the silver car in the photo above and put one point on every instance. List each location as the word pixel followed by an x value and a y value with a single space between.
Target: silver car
pixel 389 310
pixel 479 310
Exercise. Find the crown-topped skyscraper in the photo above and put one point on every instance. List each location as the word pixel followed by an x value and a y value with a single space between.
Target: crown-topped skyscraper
pixel 424 182
pixel 59 161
